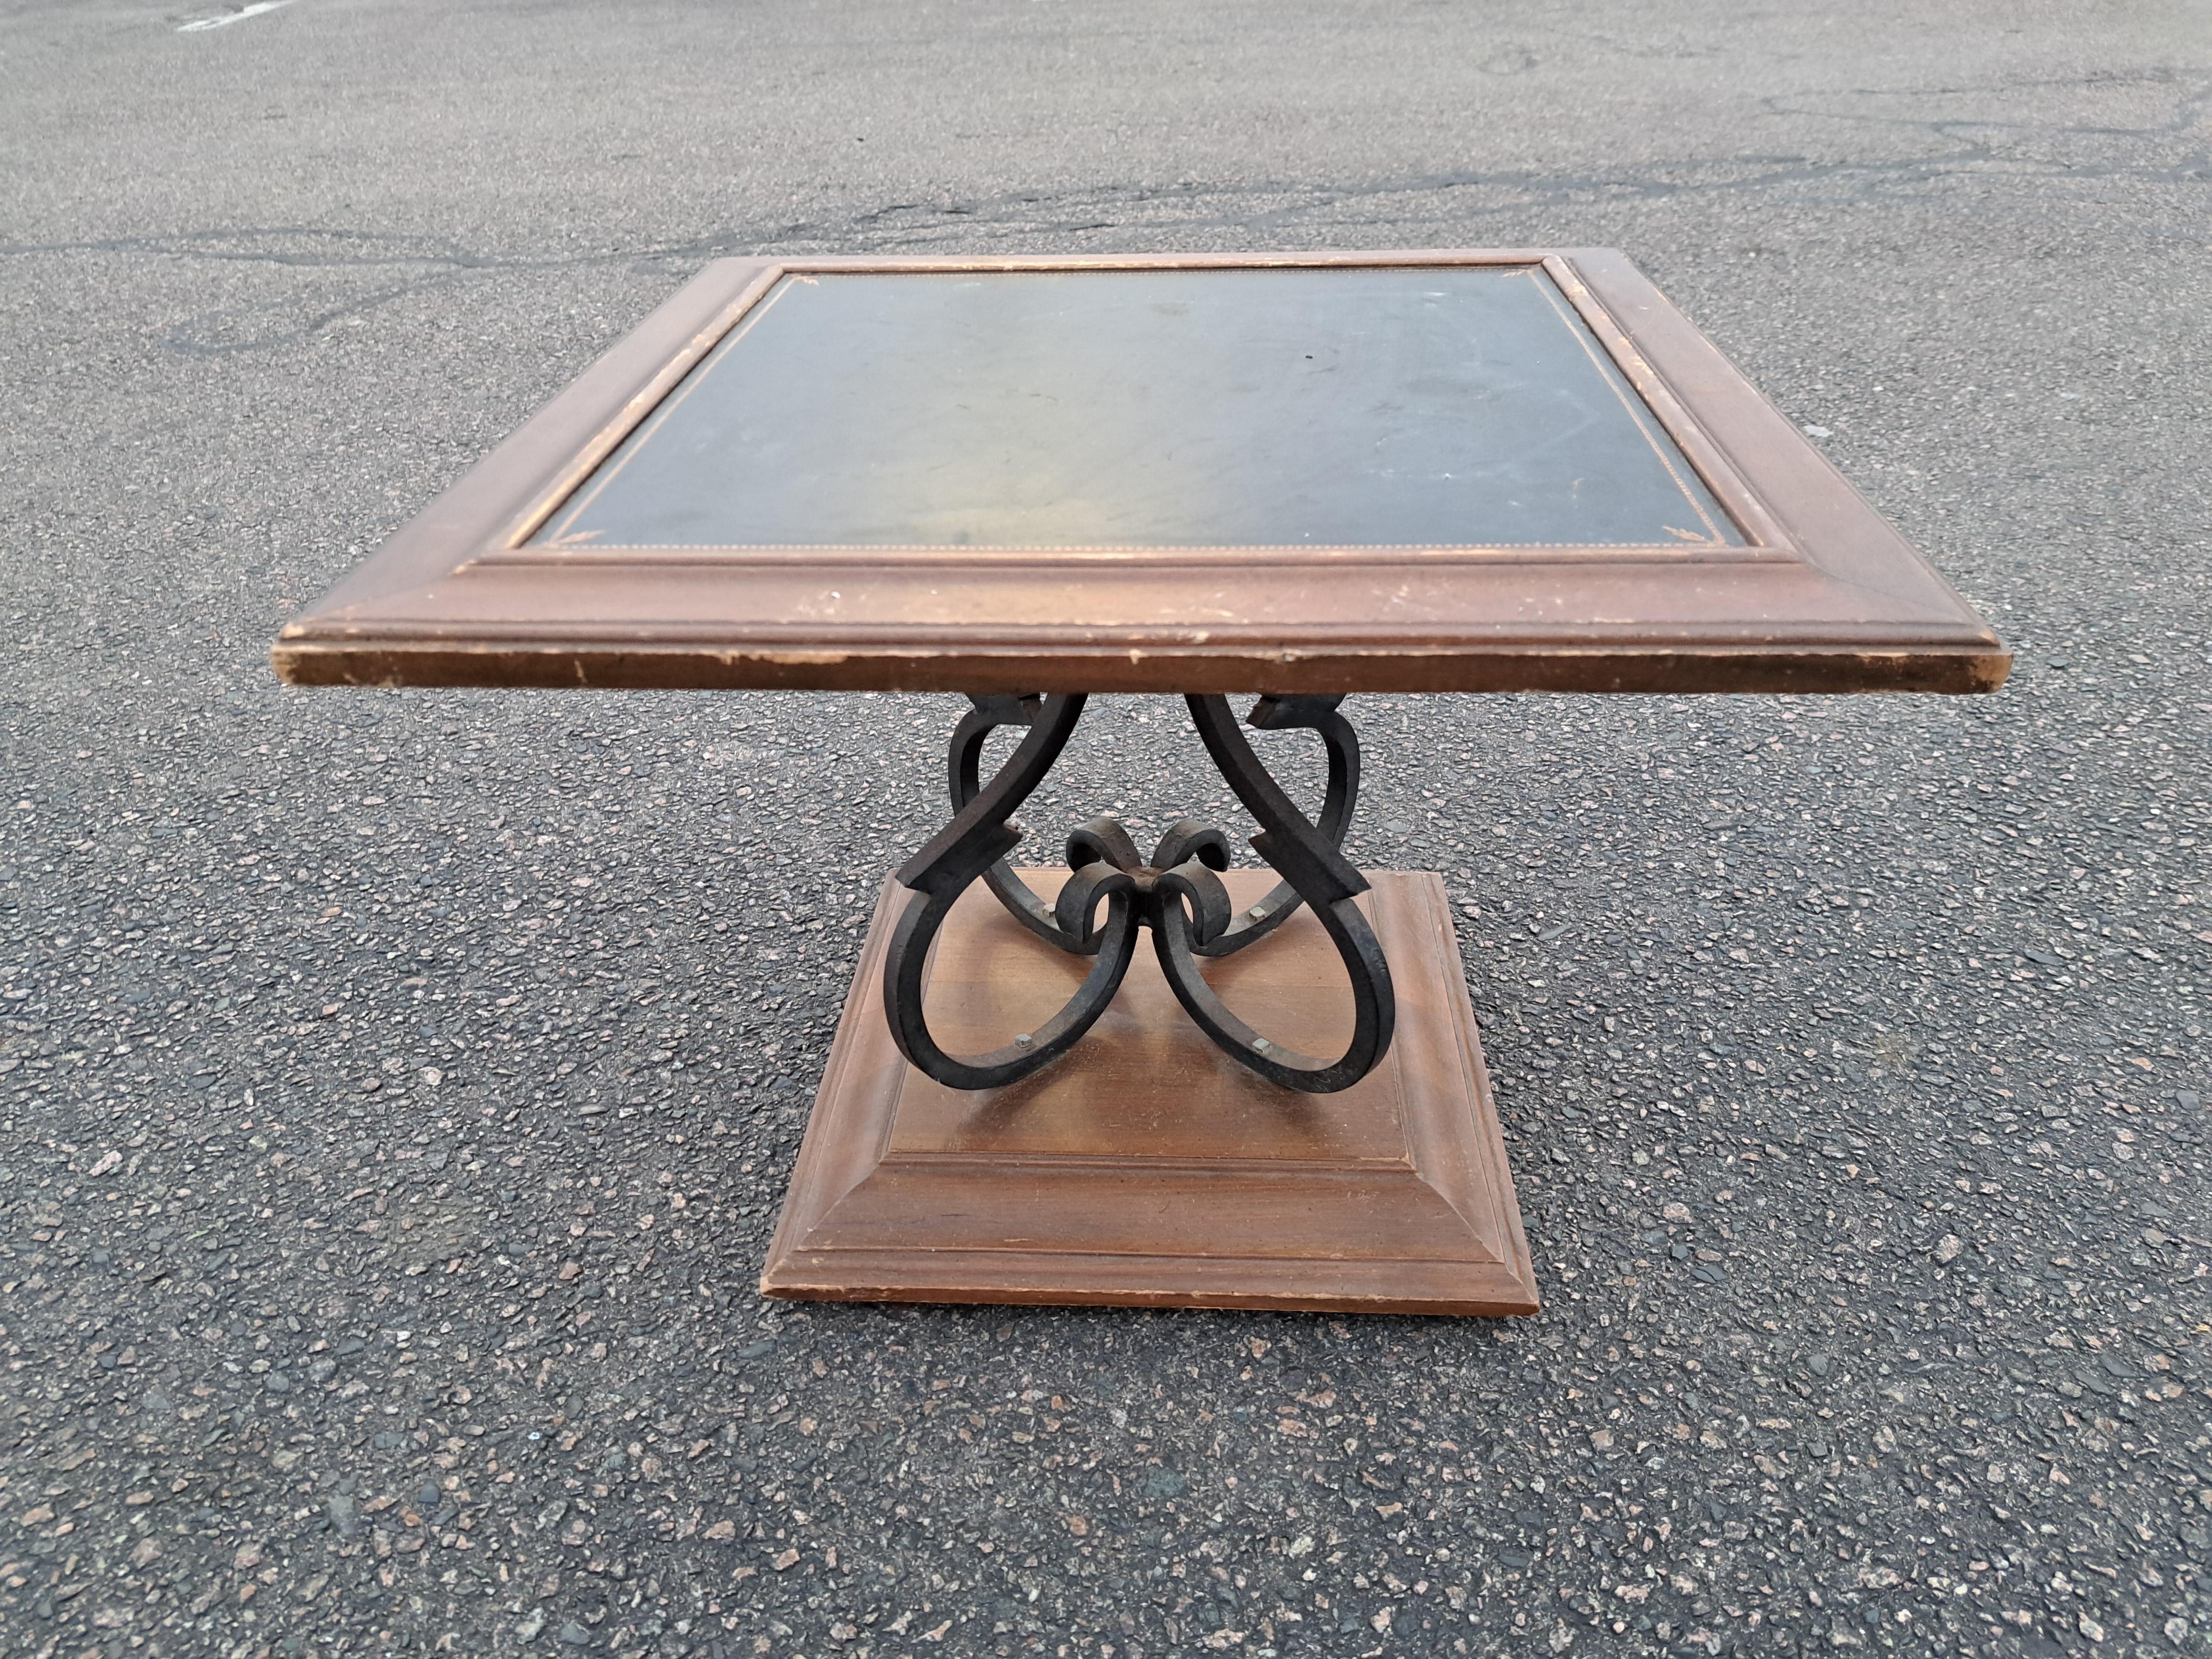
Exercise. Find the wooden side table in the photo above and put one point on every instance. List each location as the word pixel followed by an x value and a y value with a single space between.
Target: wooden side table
pixel 1029 480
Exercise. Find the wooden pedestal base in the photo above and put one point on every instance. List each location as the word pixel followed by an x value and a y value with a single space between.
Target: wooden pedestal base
pixel 1148 1169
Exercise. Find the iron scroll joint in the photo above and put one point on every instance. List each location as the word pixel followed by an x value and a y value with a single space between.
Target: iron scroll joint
pixel 1177 893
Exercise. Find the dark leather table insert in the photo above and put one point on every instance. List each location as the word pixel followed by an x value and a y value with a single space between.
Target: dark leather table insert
pixel 1402 407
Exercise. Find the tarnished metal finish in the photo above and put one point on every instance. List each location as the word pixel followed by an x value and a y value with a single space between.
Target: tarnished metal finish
pixel 1338 804
pixel 965 762
pixel 977 840
pixel 1306 856
pixel 1177 893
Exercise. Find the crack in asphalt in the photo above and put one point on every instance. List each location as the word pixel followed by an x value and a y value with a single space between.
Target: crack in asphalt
pixel 908 225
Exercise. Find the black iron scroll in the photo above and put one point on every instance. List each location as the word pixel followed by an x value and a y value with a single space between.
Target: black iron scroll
pixel 1177 893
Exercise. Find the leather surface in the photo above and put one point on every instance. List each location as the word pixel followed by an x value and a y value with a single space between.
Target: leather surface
pixel 1396 406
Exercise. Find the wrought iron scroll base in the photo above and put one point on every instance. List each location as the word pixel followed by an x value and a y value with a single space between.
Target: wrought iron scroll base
pixel 1176 894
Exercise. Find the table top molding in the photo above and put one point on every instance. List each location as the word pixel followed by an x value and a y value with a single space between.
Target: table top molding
pixel 1822 594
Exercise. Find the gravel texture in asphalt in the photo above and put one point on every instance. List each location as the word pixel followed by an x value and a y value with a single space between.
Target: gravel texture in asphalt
pixel 397 1089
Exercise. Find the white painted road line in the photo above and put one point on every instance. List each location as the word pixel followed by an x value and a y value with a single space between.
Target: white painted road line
pixel 230 17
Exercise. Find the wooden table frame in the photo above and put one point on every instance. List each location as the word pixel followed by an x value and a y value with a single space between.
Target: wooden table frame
pixel 1824 596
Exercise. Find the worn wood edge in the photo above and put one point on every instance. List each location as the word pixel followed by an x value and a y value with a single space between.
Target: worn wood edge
pixel 1967 668
pixel 1113 558
pixel 814 1187
pixel 1502 1287
pixel 752 284
pixel 1834 528
pixel 1463 1169
pixel 1400 908
pixel 1489 1140
pixel 1275 259
pixel 474 513
pixel 1716 468
pixel 1399 1288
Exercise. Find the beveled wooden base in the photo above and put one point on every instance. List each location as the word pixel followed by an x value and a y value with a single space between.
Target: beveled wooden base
pixel 1148 1169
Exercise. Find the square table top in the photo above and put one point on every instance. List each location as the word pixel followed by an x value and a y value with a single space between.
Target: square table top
pixel 1484 470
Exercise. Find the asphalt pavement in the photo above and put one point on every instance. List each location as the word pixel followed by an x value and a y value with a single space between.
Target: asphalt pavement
pixel 397 1089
